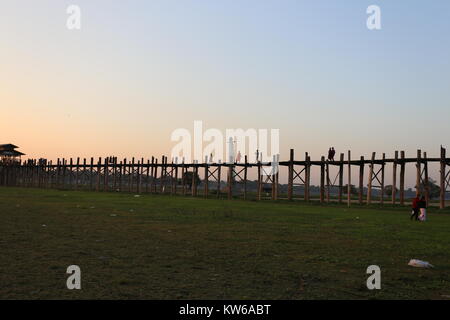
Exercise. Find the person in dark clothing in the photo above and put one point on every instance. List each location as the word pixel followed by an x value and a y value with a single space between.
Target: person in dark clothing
pixel 423 209
pixel 333 152
pixel 415 208
pixel 330 153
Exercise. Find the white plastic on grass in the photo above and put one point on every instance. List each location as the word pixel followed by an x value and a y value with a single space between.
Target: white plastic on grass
pixel 420 264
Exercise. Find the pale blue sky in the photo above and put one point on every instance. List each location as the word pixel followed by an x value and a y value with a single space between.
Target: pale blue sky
pixel 139 69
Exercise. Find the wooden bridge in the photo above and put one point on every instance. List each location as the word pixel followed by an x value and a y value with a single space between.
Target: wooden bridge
pixel 149 176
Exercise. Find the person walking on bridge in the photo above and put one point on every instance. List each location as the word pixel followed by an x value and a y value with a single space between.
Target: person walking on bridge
pixel 330 152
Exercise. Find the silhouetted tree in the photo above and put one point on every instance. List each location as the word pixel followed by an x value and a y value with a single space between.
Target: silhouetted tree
pixel 433 188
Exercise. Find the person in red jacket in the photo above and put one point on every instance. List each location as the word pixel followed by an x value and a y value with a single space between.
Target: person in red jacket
pixel 415 208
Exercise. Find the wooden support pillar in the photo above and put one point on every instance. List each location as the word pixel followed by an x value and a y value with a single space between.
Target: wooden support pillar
pixel 70 173
pixel 121 174
pixel 307 175
pixel 402 177
pixel 130 175
pixel 442 178
pixel 349 179
pixel 259 180
pixel 327 168
pixel 194 179
pixel 322 179
pixel 206 190
pixel 369 185
pixel 230 181
pixel 272 178
pixel 140 164
pixel 58 173
pixel 16 175
pixel 99 171
pixel 52 173
pixel 36 176
pixel 91 174
pixel 85 170
pixel 48 175
pixel 274 172
pixel 394 178
pixel 245 178
pixel 361 180
pixel 39 175
pixel 155 177
pixel 29 174
pixel 77 174
pixel 418 172
pixel 33 174
pixel 291 174
pixel 151 175
pixel 425 178
pixel 219 178
pixel 341 177
pixel 176 178
pixel 162 177
pixel 106 174
pixel 148 184
pixel 382 179
pixel 173 177
pixel 114 172
pixel 277 175
pixel 183 179
pixel 64 162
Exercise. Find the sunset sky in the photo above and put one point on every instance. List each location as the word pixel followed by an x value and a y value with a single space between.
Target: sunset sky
pixel 137 70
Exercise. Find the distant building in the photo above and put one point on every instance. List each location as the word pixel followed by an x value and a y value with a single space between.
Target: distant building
pixel 8 153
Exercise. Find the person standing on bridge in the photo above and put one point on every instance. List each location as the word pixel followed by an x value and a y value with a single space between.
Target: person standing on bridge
pixel 333 152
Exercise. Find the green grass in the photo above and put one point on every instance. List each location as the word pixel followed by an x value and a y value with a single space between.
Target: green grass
pixel 162 247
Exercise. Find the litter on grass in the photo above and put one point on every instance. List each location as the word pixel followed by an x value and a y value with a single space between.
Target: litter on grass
pixel 420 264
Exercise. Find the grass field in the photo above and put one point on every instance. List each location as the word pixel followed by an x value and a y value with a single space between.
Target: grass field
pixel 162 247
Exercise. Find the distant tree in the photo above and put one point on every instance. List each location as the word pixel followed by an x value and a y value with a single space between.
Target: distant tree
pixel 267 188
pixel 187 178
pixel 353 189
pixel 434 189
pixel 388 190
